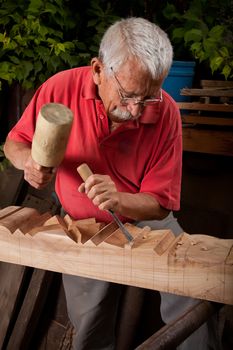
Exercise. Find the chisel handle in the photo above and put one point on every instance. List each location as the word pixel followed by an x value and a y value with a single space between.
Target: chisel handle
pixel 84 171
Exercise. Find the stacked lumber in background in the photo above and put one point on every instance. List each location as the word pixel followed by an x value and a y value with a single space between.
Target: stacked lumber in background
pixel 208 118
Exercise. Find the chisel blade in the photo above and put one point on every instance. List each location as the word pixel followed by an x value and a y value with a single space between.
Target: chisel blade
pixel 121 226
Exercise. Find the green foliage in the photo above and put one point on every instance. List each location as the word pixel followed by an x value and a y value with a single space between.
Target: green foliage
pixel 39 38
pixel 205 28
pixel 33 43
pixel 100 19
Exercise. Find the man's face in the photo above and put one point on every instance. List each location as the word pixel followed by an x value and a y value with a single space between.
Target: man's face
pixel 131 84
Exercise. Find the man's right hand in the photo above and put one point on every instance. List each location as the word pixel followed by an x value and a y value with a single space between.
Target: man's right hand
pixel 36 175
pixel 19 155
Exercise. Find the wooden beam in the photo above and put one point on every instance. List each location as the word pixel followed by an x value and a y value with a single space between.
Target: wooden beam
pixel 12 278
pixel 11 183
pixel 204 120
pixel 208 141
pixel 216 84
pixel 198 266
pixel 212 107
pixel 207 92
pixel 30 311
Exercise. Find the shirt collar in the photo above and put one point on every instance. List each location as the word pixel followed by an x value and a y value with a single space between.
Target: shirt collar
pixel 150 114
pixel 89 89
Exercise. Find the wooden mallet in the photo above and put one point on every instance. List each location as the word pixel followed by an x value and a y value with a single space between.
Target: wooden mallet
pixel 51 135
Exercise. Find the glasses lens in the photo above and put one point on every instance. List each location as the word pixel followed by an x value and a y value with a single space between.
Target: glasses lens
pixel 127 101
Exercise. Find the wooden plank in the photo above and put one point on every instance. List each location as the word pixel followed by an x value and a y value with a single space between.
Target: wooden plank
pixel 205 120
pixel 207 92
pixel 22 219
pixel 9 210
pixel 191 265
pixel 28 318
pixel 55 331
pixel 11 182
pixel 217 84
pixel 208 141
pixel 212 107
pixel 12 278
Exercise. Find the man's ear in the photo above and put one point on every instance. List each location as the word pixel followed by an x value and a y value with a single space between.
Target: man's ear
pixel 97 70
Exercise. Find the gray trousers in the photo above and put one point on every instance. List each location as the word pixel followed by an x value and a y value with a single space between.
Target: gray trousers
pixel 92 307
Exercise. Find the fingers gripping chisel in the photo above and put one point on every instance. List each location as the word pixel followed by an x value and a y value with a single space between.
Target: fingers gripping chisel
pixel 84 171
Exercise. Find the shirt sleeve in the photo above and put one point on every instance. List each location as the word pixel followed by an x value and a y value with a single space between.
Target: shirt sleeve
pixel 162 178
pixel 163 181
pixel 23 130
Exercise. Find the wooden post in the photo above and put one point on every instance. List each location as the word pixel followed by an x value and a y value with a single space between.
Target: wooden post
pixel 51 135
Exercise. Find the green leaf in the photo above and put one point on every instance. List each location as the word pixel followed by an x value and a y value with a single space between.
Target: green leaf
pixel 35 6
pixel 2 37
pixel 28 84
pixel 59 48
pixel 95 8
pixel 224 51
pixel 54 64
pixel 170 12
pixel 26 67
pixel 17 18
pixel 178 33
pixel 14 59
pixel 92 22
pixel 193 35
pixel 215 63
pixel 196 46
pixel 53 9
pixel 216 32
pixel 227 71
pixel 29 53
pixel 7 71
pixel 80 45
pixel 37 67
pixel 5 66
pixel 43 31
pixel 191 17
pixel 69 45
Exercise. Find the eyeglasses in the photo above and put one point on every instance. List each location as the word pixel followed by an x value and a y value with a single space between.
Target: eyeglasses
pixel 125 101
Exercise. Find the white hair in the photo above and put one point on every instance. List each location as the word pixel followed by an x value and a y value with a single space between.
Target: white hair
pixel 140 39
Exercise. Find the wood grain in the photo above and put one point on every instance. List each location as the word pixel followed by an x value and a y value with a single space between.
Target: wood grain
pixel 212 107
pixel 12 278
pixel 199 266
pixel 216 92
pixel 204 120
pixel 208 141
pixel 30 311
pixel 51 134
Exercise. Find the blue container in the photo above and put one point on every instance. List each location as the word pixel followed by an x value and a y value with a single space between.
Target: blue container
pixel 180 76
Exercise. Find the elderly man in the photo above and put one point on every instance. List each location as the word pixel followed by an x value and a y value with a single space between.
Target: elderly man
pixel 128 130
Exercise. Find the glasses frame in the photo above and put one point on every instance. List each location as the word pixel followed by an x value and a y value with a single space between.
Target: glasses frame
pixel 125 101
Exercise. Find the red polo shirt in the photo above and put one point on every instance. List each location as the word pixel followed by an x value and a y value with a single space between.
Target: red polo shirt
pixel 140 156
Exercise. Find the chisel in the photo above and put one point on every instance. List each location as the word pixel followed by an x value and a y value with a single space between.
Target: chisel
pixel 84 171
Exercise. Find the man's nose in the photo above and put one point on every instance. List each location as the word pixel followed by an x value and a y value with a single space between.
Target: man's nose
pixel 135 109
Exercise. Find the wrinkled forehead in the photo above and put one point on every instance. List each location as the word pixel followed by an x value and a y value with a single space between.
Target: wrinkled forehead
pixel 134 79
